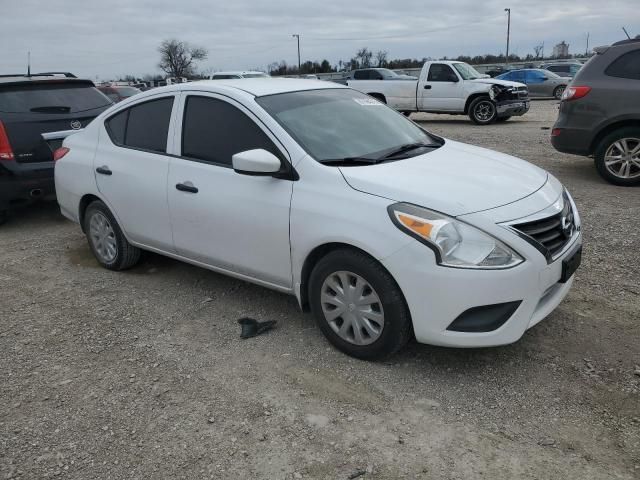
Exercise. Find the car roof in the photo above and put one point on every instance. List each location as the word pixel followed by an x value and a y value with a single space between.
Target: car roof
pixel 43 79
pixel 257 87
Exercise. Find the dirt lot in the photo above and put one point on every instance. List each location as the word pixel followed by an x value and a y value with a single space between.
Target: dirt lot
pixel 142 374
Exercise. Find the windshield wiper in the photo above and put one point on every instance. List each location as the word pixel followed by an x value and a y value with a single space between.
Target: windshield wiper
pixel 52 109
pixel 408 147
pixel 349 161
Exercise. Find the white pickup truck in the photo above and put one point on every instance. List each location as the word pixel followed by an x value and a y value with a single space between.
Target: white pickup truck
pixel 447 87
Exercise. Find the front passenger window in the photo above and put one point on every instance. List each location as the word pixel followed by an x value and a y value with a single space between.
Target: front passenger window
pixel 214 130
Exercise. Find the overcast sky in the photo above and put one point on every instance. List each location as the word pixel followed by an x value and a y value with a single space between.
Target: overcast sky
pixel 110 38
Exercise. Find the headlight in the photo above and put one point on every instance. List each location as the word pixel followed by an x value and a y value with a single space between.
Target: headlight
pixel 455 243
pixel 493 92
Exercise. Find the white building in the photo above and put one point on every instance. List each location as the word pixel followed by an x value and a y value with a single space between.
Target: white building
pixel 561 50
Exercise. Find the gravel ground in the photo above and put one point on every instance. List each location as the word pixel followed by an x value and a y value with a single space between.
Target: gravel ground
pixel 142 374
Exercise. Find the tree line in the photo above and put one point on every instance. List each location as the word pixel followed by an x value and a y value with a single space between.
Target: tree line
pixel 180 59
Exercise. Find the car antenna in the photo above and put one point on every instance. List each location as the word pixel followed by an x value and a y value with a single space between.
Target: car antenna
pixel 626 33
pixel 28 63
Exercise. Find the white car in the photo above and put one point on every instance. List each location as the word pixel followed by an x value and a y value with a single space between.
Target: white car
pixel 382 229
pixel 237 74
pixel 453 88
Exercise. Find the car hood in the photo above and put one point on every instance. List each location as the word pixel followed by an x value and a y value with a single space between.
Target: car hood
pixel 456 179
pixel 495 81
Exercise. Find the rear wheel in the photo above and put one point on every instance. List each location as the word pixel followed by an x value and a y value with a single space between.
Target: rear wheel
pixel 358 305
pixel 617 157
pixel 3 216
pixel 106 240
pixel 557 93
pixel 482 111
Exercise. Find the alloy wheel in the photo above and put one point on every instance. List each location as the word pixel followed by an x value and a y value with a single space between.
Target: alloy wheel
pixel 103 237
pixel 485 111
pixel 622 158
pixel 352 308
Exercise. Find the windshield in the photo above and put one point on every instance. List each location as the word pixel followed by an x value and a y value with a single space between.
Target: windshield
pixel 342 123
pixel 466 71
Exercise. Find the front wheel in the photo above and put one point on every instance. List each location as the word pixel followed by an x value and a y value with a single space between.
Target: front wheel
pixel 617 157
pixel 106 240
pixel 482 111
pixel 358 305
pixel 557 93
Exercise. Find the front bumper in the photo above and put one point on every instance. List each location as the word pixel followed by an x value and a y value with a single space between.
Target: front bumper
pixel 512 108
pixel 437 296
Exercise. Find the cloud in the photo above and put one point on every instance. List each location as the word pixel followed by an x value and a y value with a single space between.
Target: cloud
pixel 107 39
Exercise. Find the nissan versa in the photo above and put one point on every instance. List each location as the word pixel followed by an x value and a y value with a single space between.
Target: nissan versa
pixel 381 229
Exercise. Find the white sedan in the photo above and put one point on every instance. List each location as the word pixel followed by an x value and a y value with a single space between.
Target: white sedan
pixel 383 230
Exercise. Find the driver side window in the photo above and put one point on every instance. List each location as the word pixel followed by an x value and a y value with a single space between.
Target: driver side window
pixel 439 72
pixel 214 130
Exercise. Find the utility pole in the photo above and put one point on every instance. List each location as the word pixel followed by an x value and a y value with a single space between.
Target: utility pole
pixel 508 10
pixel 297 35
pixel 586 52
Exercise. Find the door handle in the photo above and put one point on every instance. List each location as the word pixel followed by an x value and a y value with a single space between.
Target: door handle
pixel 427 87
pixel 186 187
pixel 104 170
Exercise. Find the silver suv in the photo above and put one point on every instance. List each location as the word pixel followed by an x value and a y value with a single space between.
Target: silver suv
pixel 600 113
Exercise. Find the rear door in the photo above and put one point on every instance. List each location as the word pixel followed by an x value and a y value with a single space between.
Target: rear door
pixel 31 108
pixel 131 165
pixel 442 90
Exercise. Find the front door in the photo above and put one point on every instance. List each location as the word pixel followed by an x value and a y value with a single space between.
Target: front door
pixel 231 221
pixel 442 90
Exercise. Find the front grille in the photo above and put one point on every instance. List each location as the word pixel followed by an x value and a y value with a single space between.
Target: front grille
pixel 552 233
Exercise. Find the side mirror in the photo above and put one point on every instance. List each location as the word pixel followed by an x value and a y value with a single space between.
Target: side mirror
pixel 257 162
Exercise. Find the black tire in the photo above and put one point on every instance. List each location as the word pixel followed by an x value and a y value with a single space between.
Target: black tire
pixel 557 93
pixel 406 114
pixel 397 329
pixel 126 255
pixel 503 119
pixel 483 111
pixel 604 145
pixel 3 216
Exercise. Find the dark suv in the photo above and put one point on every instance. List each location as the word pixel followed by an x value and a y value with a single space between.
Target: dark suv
pixel 30 106
pixel 600 113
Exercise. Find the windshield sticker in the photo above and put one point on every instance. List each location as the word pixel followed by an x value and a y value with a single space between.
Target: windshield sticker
pixel 367 102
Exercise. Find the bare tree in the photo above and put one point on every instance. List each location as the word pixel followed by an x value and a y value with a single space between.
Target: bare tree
pixel 177 58
pixel 538 50
pixel 381 58
pixel 364 55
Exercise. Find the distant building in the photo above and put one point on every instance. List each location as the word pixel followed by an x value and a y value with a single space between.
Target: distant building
pixel 561 50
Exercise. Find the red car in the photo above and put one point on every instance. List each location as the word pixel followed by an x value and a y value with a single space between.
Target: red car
pixel 117 94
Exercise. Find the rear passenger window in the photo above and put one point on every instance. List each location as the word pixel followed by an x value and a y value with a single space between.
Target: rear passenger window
pixel 626 66
pixel 361 75
pixel 214 130
pixel 144 126
pixel 116 126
